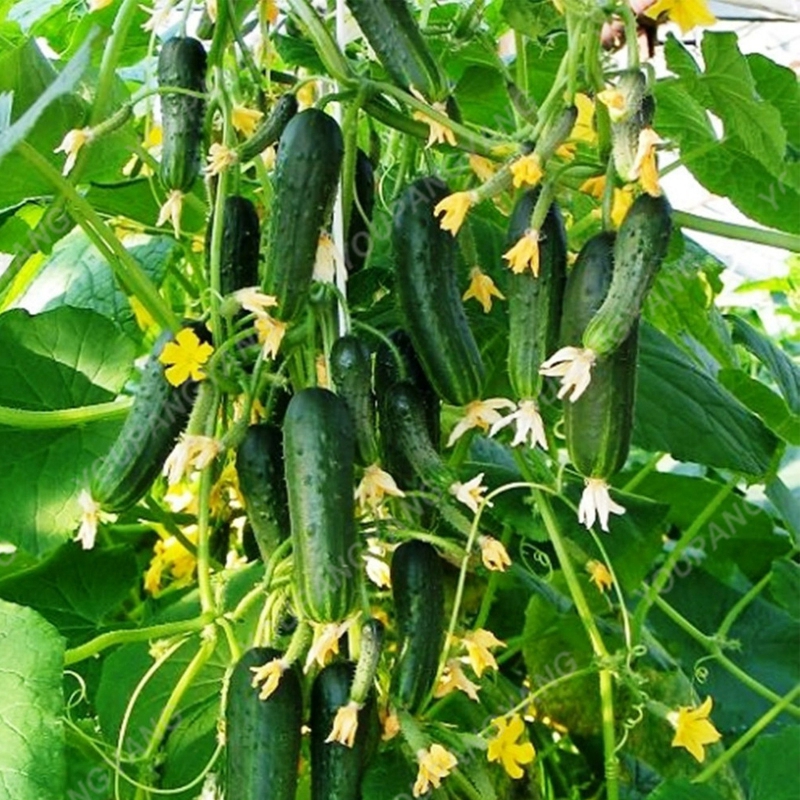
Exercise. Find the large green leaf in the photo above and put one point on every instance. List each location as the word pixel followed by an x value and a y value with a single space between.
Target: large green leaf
pixel 32 765
pixel 77 592
pixel 772 766
pixel 683 411
pixel 683 789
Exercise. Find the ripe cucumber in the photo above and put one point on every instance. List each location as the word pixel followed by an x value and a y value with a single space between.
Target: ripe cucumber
pixel 319 450
pixel 306 178
pixel 534 303
pixel 358 238
pixel 263 736
pixel 270 130
pixel 181 64
pixel 598 425
pixel 240 244
pixel 429 295
pixel 418 592
pixel 259 465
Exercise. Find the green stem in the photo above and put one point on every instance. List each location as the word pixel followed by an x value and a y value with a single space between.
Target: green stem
pixel 203 528
pixel 730 230
pixel 634 482
pixel 712 646
pixel 25 419
pixel 521 62
pixel 123 265
pixel 672 559
pixel 715 766
pixel 325 45
pixel 741 605
pixel 114 638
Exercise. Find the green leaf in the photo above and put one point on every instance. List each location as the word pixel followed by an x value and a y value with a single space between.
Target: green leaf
pixel 26 13
pixel 32 764
pixel 77 275
pixel 772 765
pixel 683 789
pixel 786 504
pixel 784 586
pixel 778 86
pixel 483 99
pixel 533 18
pixel 681 410
pixel 389 775
pixel 78 592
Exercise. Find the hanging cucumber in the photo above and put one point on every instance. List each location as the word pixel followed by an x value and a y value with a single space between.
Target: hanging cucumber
pixel 640 248
pixel 418 592
pixel 240 244
pixel 181 64
pixel 395 37
pixel 306 178
pixel 270 130
pixel 319 450
pixel 358 237
pixel 534 303
pixel 351 371
pixel 262 736
pixel 159 414
pixel 429 295
pixel 259 465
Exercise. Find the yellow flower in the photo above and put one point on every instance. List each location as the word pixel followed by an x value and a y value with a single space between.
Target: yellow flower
pixel 599 575
pixel 524 254
pixel 493 554
pixel 470 493
pixel 453 679
pixel 527 170
pixel 390 725
pixel 245 120
pixel 374 486
pixel 438 132
pixel 482 167
pixel 645 166
pixel 326 642
pixel 269 11
pixel 454 207
pixel 270 334
pixel 693 729
pixel 687 14
pixel 596 503
pixel 529 425
pixel 306 94
pixel 378 572
pixel 190 453
pixel 220 158
pixel 479 414
pixel 614 100
pixel 434 765
pixel 583 130
pixel 252 299
pixel 478 654
pixel 594 187
pixel 269 676
pixel 505 748
pixel 482 288
pixel 171 210
pixel 170 555
pixel 185 357
pixel 345 725
pixel 574 366
pixel 71 144
pixel 620 205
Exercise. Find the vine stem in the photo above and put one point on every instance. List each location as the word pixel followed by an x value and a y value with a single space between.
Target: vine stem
pixel 123 265
pixel 730 230
pixel 710 644
pixel 25 419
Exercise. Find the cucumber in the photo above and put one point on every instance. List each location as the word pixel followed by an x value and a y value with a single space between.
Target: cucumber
pixel 240 244
pixel 395 37
pixel 351 371
pixel 418 592
pixel 319 450
pixel 336 770
pixel 641 246
pixel 182 64
pixel 263 736
pixel 259 465
pixel 625 132
pixel 534 303
pixel 159 414
pixel 358 236
pixel 598 425
pixel 372 634
pixel 270 130
pixel 306 179
pixel 430 299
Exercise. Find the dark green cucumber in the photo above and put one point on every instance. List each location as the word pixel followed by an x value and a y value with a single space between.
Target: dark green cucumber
pixel 336 769
pixel 270 130
pixel 534 303
pixel 598 425
pixel 240 244
pixel 306 178
pixel 430 298
pixel 319 450
pixel 418 592
pixel 263 736
pixel 259 465
pixel 358 237
pixel 159 414
pixel 181 64
pixel 398 42
pixel 641 246
pixel 351 371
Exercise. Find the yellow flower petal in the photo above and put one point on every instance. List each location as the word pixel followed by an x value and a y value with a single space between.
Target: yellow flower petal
pixel 470 493
pixel 482 288
pixel 687 14
pixel 494 554
pixel 220 158
pixel 184 357
pixel 479 414
pixel 269 676
pixel 345 725
pixel 71 144
pixel 526 171
pixel 483 168
pixel 270 333
pixel 694 730
pixel 453 679
pixel 478 653
pixel 524 254
pixel 599 575
pixel 434 765
pixel 505 748
pixel 645 165
pixel 245 120
pixel 454 207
